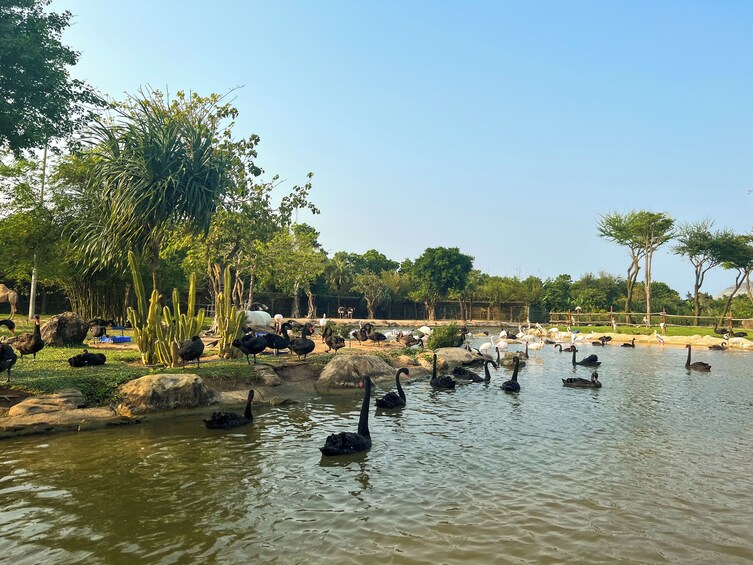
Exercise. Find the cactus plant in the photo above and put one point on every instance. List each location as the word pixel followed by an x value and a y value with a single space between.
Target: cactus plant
pixel 229 318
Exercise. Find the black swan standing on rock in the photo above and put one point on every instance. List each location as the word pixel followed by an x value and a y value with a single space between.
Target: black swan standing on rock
pixel 30 344
pixel 698 365
pixel 333 341
pixel 87 359
pixel 250 344
pixel 392 399
pixel 7 358
pixel 303 345
pixel 346 443
pixel 191 349
pixel 631 344
pixel 10 324
pixel 590 361
pixel 225 420
pixel 577 382
pixel 443 381
pixel 512 385
pixel 277 342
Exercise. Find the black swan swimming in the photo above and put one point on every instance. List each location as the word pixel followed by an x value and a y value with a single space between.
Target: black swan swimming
pixel 590 361
pixel 487 374
pixel 277 342
pixel 333 341
pixel 512 385
pixel 225 420
pixel 250 344
pixel 191 349
pixel 303 345
pixel 577 382
pixel 442 381
pixel 697 365
pixel 392 399
pixel 30 343
pixel 631 344
pixel 720 347
pixel 346 443
pixel 7 358
pixel 601 343
pixel 467 375
pixel 87 359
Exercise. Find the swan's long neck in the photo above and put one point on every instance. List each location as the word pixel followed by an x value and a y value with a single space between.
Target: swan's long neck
pixel 556 345
pixel 487 374
pixel 497 355
pixel 363 421
pixel 687 363
pixel 574 355
pixel 515 370
pixel 400 392
pixel 434 368
pixel 247 412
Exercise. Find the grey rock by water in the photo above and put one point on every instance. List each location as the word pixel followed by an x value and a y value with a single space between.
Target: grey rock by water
pixel 347 371
pixel 66 399
pixel 164 392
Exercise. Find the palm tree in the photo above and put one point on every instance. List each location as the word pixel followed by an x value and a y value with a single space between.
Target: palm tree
pixel 339 276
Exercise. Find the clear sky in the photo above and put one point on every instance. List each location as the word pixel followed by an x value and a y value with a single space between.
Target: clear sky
pixel 501 128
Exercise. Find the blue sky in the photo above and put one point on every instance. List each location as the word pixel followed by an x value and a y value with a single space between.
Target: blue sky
pixel 501 128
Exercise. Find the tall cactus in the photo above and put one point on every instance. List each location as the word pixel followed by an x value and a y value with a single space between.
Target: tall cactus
pixel 158 334
pixel 229 318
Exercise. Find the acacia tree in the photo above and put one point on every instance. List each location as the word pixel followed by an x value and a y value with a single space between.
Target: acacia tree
pixel 439 271
pixel 705 250
pixel 653 230
pixel 159 164
pixel 620 228
pixel 737 254
pixel 39 100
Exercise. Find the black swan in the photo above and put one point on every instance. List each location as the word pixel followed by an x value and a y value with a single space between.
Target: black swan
pixel 601 343
pixel 303 345
pixel 720 347
pixel 359 335
pixel 333 341
pixel 718 331
pixel 590 361
pixel 442 381
pixel 631 344
pixel 10 324
pixel 698 365
pixel 392 399
pixel 577 382
pixel 512 385
pixel 487 374
pixel 98 327
pixel 467 375
pixel 87 359
pixel 191 349
pixel 30 344
pixel 7 358
pixel 225 420
pixel 346 443
pixel 408 340
pixel 250 344
pixel 277 342
pixel 376 337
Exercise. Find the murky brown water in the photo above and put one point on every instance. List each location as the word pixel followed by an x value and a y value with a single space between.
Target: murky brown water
pixel 654 467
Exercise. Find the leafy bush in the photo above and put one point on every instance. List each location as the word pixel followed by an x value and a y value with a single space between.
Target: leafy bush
pixel 444 336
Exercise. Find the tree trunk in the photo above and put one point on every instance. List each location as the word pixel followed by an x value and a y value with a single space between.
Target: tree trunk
pixel 370 308
pixel 250 299
pixel 632 277
pixel 295 308
pixel 311 305
pixel 739 279
pixel 648 287
pixel 431 313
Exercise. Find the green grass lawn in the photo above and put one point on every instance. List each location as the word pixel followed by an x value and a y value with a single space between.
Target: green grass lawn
pixel 642 330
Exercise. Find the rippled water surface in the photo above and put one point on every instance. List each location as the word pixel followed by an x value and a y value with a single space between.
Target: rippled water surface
pixel 654 467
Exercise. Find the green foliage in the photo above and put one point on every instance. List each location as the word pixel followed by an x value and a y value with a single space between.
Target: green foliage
pixel 439 271
pixel 374 289
pixel 39 100
pixel 444 336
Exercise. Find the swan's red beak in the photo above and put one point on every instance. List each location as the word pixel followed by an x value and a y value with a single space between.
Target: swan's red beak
pixel 407 375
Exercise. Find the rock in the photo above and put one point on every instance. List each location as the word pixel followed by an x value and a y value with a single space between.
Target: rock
pixel 64 328
pixel 403 361
pixel 164 392
pixel 454 357
pixel 277 401
pixel 66 399
pixel 507 361
pixel 267 376
pixel 347 371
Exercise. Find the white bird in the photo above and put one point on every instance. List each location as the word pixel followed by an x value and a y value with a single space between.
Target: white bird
pixel 502 334
pixel 536 346
pixel 659 338
pixel 501 344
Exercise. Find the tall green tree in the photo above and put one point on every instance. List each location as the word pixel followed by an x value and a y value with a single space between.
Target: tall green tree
pixel 737 255
pixel 159 164
pixel 373 288
pixel 438 271
pixel 652 230
pixel 39 101
pixel 704 249
pixel 620 229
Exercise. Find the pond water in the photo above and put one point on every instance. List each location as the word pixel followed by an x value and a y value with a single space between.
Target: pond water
pixel 654 467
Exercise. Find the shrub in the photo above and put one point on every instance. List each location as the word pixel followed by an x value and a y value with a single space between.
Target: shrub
pixel 444 336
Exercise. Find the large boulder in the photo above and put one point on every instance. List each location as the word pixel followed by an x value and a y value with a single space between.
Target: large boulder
pixel 455 357
pixel 164 392
pixel 66 399
pixel 347 371
pixel 64 328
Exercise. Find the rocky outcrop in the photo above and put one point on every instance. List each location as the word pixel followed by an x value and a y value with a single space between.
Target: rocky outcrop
pixel 267 375
pixel 347 371
pixel 66 399
pixel 63 329
pixel 164 392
